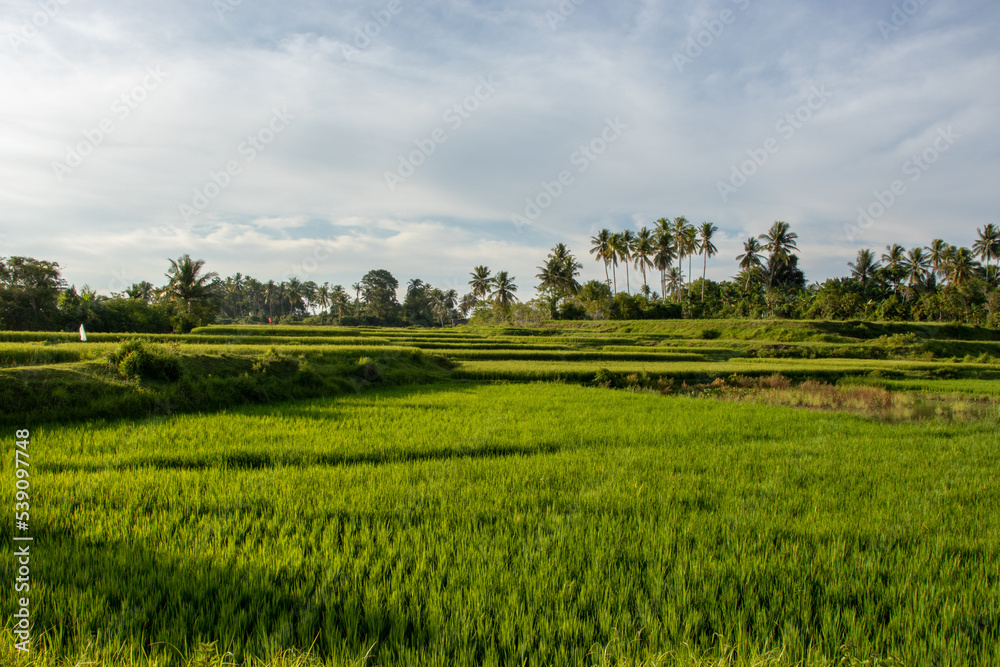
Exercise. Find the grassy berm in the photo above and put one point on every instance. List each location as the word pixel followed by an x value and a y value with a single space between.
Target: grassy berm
pixel 137 378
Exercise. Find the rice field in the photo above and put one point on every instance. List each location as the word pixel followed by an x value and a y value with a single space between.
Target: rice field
pixel 513 513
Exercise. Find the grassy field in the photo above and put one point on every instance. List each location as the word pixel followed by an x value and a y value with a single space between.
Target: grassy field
pixel 463 513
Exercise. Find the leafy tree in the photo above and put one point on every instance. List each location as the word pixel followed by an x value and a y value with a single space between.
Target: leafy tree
pixel 378 292
pixel 595 297
pixel 29 294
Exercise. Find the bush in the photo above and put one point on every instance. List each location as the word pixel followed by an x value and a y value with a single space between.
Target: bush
pixel 275 364
pixel 572 311
pixel 136 359
pixel 369 370
pixel 607 379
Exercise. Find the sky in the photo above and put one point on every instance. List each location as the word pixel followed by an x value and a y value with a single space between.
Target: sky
pixel 326 139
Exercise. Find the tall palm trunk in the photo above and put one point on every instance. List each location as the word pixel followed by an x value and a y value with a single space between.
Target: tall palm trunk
pixel 704 272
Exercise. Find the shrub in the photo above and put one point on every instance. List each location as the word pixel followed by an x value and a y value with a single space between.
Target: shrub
pixel 607 379
pixel 137 359
pixel 276 364
pixel 369 370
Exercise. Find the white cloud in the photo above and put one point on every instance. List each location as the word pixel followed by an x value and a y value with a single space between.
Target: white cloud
pixel 324 174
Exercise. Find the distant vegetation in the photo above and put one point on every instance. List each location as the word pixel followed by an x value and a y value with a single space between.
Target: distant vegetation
pixel 939 283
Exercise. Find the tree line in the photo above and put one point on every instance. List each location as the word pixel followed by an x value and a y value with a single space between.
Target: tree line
pixel 939 282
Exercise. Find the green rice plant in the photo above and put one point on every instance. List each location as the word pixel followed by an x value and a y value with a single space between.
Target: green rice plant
pixel 463 524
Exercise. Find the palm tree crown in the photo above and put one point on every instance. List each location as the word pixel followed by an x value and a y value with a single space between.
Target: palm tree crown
pixel 187 283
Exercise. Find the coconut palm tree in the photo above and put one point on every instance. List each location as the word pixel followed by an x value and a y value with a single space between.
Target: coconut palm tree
pixel 357 298
pixel 143 291
pixel 481 282
pixel 916 267
pixel 339 301
pixel 666 253
pixel 679 230
pixel 962 266
pixel 987 246
pixel 503 291
pixel 467 303
pixel 750 261
pixel 779 242
pixel 601 248
pixel 937 251
pixel 626 244
pixel 414 287
pixel 691 249
pixel 294 294
pixel 187 282
pixel 642 250
pixel 864 268
pixel 272 294
pixel 614 243
pixel 323 296
pixel 675 281
pixel 707 249
pixel 893 259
